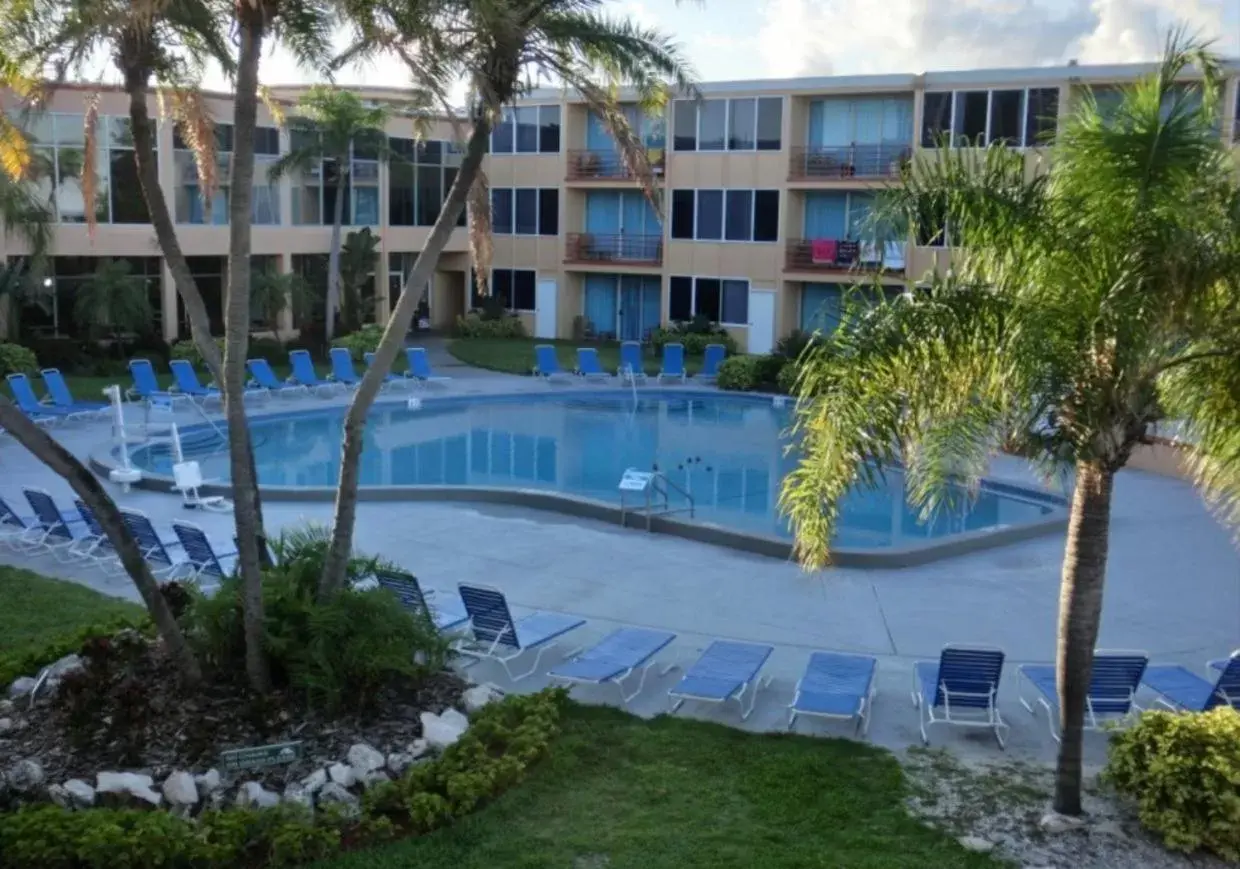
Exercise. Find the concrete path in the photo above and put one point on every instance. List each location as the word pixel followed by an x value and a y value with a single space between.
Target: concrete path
pixel 1173 588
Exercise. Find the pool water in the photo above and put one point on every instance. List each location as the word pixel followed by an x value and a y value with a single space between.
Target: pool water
pixel 729 453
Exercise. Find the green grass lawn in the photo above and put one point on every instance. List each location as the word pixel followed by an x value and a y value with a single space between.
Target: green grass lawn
pixel 516 355
pixel 35 610
pixel 619 792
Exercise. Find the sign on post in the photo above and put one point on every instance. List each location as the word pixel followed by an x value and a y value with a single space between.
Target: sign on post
pixel 260 756
pixel 635 480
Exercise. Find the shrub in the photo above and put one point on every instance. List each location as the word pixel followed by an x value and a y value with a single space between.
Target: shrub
pixel 267 348
pixel 29 662
pixel 694 337
pixel 16 359
pixel 364 340
pixel 189 350
pixel 786 380
pixel 750 373
pixel 475 325
pixel 792 345
pixel 1182 770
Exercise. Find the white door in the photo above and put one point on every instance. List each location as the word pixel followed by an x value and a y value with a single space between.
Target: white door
pixel 544 309
pixel 761 321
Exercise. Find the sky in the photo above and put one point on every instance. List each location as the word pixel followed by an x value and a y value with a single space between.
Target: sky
pixel 750 39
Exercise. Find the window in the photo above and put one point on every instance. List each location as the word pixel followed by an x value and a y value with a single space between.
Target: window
pixel 1006 116
pixel 191 206
pixel 936 119
pixel 719 300
pixel 1041 115
pixel 525 211
pixel 527 130
pixel 430 194
pixel 420 173
pixel 741 124
pixel 514 287
pixel 969 121
pixel 725 215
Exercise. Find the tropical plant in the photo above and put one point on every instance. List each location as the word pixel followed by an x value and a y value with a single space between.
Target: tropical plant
pixel 1086 302
pixel 358 257
pixel 273 291
pixel 330 124
pixel 114 302
pixel 496 49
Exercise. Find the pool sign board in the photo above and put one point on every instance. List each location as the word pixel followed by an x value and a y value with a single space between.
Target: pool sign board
pixel 635 480
pixel 260 756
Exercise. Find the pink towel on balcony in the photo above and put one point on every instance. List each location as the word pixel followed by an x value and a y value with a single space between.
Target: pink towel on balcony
pixel 822 250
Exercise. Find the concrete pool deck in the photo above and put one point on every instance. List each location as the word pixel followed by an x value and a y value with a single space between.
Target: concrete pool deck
pixel 1173 587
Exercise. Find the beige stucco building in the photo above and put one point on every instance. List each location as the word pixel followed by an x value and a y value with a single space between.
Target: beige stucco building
pixel 765 186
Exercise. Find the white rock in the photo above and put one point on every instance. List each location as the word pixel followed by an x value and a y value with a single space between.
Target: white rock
pixel 80 792
pixel 418 747
pixel 60 796
pixel 179 789
pixel 374 777
pixel 976 843
pixel 399 761
pixel 6 706
pixel 480 695
pixel 21 687
pixel 334 793
pixel 254 794
pixel 440 731
pixel 134 784
pixel 25 776
pixel 1053 822
pixel 66 665
pixel 342 774
pixel 314 781
pixel 296 793
pixel 208 783
pixel 364 759
pixel 6 724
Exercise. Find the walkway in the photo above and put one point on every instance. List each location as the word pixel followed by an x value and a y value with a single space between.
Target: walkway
pixel 1173 590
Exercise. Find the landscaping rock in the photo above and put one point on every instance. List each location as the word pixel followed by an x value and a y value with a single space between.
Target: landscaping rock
pixel 364 759
pixel 297 794
pixel 208 783
pixel 1054 823
pixel 399 761
pixel 132 784
pixel 418 747
pixel 313 782
pixel 80 793
pixel 253 794
pixel 66 665
pixel 440 731
pixel 58 795
pixel 333 793
pixel 21 687
pixel 6 724
pixel 342 774
pixel 6 707
pixel 180 789
pixel 480 695
pixel 976 843
pixel 374 777
pixel 25 776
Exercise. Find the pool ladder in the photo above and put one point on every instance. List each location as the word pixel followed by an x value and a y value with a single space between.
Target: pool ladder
pixel 658 500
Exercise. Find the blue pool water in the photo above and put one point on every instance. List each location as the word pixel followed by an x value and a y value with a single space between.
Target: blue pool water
pixel 729 452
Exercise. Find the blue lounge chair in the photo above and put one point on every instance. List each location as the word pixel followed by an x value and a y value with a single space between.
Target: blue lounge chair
pixel 497 637
pixel 724 672
pixel 58 391
pixel 447 617
pixel 304 373
pixel 673 363
pixel 588 365
pixel 616 657
pixel 964 683
pixel 185 380
pixel 835 686
pixel 154 549
pixel 101 552
pixel 1183 690
pixel 420 366
pixel 547 363
pixel 1112 688
pixel 711 360
pixel 29 404
pixel 342 367
pixel 391 378
pixel 55 531
pixel 200 556
pixel 15 531
pixel 145 384
pixel 631 367
pixel 263 377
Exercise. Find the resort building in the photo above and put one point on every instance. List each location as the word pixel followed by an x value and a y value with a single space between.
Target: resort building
pixel 764 186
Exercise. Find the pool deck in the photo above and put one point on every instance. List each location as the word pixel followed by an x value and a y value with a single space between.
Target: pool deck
pixel 1173 586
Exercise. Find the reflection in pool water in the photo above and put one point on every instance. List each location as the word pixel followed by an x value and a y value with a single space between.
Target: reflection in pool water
pixel 728 452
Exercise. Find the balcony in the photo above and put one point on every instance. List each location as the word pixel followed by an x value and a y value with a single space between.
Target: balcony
pixel 607 165
pixel 586 248
pixel 851 161
pixel 828 255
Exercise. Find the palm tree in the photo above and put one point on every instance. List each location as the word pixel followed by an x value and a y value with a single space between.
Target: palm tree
pixel 1084 305
pixel 330 125
pixel 496 47
pixel 273 291
pixel 358 256
pixel 114 302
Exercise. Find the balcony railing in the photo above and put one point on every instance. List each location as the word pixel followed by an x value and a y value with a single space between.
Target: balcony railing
pixel 589 247
pixel 607 165
pixel 842 255
pixel 850 161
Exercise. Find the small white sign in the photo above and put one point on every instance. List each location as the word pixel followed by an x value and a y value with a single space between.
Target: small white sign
pixel 414 404
pixel 161 403
pixel 635 481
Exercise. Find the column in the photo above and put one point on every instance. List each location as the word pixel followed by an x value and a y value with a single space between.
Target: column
pixel 168 297
pixel 284 323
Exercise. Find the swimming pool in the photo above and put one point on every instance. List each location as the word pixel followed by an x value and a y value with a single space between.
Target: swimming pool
pixel 726 453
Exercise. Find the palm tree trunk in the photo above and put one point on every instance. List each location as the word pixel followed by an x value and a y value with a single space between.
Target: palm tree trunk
pixel 85 485
pixel 336 563
pixel 136 81
pixel 333 255
pixel 246 508
pixel 1080 611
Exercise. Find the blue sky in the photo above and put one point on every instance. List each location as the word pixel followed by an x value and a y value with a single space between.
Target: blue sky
pixel 743 39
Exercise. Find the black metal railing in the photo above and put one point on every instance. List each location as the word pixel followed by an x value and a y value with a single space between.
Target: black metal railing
pixel 589 247
pixel 607 165
pixel 850 161
pixel 841 255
